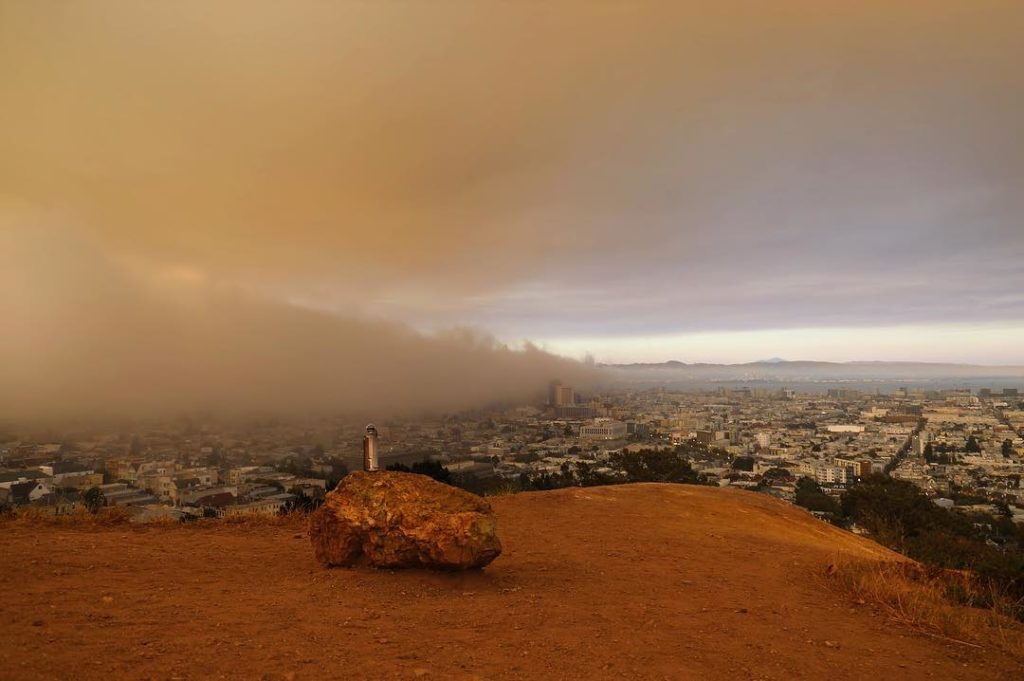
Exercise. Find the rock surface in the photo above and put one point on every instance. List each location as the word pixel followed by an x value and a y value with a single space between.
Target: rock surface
pixel 400 520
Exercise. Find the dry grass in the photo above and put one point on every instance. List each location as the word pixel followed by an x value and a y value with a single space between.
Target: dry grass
pixel 111 516
pixel 931 601
pixel 116 516
pixel 504 490
pixel 293 519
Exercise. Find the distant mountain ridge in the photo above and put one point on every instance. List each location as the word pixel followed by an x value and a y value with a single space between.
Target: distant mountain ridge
pixel 778 370
pixel 674 363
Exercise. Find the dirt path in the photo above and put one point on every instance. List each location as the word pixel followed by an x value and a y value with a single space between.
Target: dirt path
pixel 640 581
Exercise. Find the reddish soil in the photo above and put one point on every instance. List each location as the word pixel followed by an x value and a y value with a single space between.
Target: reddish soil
pixel 639 582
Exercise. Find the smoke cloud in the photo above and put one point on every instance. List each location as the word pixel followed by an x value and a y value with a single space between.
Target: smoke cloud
pixel 85 335
pixel 569 171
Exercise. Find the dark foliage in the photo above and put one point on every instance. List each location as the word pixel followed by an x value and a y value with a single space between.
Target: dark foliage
pixel 743 463
pixel 93 499
pixel 427 467
pixel 776 474
pixel 810 496
pixel 938 454
pixel 646 465
pixel 652 466
pixel 900 516
pixel 301 502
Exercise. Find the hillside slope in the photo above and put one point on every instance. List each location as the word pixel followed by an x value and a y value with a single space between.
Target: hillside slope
pixel 637 581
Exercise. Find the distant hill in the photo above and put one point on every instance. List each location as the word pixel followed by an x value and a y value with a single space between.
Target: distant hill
pixel 797 372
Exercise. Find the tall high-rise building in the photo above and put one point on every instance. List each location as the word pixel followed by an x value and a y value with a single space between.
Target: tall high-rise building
pixel 553 391
pixel 560 395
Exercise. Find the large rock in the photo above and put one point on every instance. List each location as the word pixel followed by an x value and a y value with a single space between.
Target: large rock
pixel 398 520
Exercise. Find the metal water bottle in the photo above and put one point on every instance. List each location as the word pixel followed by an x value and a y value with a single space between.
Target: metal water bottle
pixel 371 457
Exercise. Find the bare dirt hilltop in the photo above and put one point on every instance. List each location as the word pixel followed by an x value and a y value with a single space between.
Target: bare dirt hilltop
pixel 633 581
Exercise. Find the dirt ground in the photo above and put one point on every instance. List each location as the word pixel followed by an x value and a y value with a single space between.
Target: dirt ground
pixel 635 582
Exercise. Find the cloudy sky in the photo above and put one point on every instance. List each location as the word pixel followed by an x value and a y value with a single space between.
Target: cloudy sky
pixel 702 181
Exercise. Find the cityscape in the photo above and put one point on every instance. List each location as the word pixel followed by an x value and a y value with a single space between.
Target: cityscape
pixel 963 448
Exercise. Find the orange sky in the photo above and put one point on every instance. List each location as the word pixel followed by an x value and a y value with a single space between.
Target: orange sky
pixel 592 170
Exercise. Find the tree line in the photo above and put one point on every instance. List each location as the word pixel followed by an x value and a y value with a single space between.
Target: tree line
pixel 897 514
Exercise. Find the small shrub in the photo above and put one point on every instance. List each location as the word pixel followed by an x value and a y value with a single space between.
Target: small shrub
pixel 934 601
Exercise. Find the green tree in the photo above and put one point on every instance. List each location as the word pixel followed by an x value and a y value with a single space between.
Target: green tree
pixel 427 467
pixel 93 499
pixel 650 466
pixel 301 503
pixel 891 510
pixel 743 463
pixel 810 496
pixel 900 516
pixel 587 475
pixel 776 473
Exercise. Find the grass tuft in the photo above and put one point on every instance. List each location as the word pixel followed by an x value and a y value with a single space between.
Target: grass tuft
pixel 115 516
pixel 293 519
pixel 110 516
pixel 934 602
